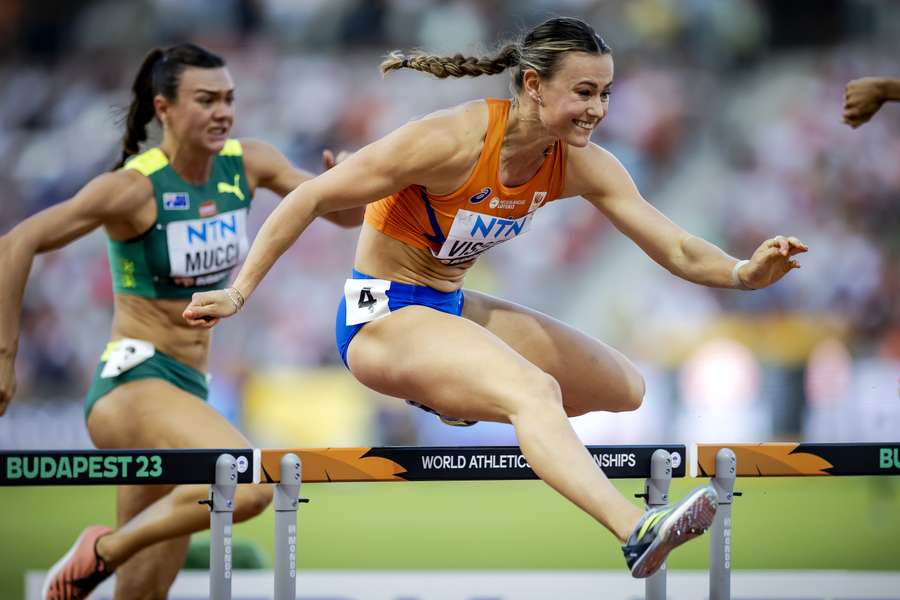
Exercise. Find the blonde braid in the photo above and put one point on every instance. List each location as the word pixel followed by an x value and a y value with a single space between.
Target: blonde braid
pixel 453 66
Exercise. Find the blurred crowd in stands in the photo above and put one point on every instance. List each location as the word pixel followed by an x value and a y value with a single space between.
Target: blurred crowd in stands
pixel 727 114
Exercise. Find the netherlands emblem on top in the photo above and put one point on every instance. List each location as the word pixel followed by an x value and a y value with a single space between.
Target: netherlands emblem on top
pixel 176 201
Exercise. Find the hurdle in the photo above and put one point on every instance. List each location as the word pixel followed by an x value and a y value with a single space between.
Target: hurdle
pixel 723 463
pixel 656 464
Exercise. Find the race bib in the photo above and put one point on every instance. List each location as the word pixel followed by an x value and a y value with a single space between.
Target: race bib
pixel 366 300
pixel 200 247
pixel 474 233
pixel 124 354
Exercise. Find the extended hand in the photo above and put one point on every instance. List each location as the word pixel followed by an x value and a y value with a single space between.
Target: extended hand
pixel 862 99
pixel 206 308
pixel 771 261
pixel 328 159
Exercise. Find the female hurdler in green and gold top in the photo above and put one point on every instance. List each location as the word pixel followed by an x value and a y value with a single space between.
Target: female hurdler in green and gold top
pixel 176 219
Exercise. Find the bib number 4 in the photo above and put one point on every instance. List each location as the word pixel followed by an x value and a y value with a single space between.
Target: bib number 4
pixel 366 300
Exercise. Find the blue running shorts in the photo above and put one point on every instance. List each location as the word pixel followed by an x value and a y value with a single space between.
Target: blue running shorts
pixel 369 299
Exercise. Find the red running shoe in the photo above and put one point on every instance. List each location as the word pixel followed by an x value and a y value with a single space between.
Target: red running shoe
pixel 77 573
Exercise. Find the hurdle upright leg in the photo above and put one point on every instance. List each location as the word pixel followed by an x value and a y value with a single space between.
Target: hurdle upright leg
pixel 720 532
pixel 656 494
pixel 287 494
pixel 221 507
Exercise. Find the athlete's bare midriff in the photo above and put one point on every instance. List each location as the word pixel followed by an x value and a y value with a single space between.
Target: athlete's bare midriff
pixel 383 257
pixel 159 321
pixel 156 320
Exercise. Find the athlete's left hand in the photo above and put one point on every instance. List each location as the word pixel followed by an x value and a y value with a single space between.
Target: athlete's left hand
pixel 771 261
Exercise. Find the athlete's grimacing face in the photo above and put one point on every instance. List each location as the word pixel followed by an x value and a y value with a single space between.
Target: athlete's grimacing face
pixel 576 98
pixel 203 113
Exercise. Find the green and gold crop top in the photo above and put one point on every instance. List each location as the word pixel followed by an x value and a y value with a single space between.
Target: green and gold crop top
pixel 200 233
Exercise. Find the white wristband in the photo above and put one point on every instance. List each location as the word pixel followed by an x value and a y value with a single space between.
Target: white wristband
pixel 736 280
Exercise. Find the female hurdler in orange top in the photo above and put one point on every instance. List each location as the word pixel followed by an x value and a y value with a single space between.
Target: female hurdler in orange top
pixel 443 189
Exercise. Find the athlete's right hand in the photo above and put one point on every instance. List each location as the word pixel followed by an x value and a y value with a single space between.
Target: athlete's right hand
pixel 7 380
pixel 206 308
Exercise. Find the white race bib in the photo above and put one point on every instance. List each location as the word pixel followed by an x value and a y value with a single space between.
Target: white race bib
pixel 474 233
pixel 366 300
pixel 199 247
pixel 125 354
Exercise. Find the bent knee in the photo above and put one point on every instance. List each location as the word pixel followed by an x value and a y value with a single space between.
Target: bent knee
pixel 539 391
pixel 251 501
pixel 633 395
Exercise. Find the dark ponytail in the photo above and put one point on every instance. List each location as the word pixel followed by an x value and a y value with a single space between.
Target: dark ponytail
pixel 160 73
pixel 141 110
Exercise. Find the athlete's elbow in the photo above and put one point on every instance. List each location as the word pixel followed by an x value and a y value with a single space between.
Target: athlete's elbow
pixel 17 244
pixel 302 202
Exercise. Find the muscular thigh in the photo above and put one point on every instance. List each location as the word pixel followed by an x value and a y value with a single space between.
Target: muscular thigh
pixel 152 413
pixel 592 375
pixel 448 363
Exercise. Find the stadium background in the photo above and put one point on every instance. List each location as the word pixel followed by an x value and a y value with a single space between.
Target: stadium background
pixel 727 114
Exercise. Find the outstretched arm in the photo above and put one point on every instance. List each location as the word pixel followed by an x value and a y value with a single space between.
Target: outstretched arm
pixel 405 157
pixel 863 97
pixel 273 171
pixel 104 199
pixel 595 174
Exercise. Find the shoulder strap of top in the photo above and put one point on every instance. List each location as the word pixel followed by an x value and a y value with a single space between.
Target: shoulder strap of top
pixel 148 162
pixel 232 148
pixel 498 111
pixel 154 159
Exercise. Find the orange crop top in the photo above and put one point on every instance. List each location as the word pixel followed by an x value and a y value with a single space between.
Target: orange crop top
pixel 460 226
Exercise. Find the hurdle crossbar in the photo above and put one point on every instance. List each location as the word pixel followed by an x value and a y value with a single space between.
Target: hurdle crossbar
pixel 792 459
pixel 460 463
pixel 119 467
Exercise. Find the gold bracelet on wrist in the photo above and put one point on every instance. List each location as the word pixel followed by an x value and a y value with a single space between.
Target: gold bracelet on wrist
pixel 236 298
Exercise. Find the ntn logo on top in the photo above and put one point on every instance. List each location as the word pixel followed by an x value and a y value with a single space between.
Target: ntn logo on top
pixel 484 225
pixel 219 228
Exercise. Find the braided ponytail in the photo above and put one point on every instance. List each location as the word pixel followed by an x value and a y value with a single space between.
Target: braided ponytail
pixel 141 110
pixel 454 66
pixel 540 49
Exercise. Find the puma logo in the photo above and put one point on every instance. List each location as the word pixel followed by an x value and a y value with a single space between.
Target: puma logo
pixel 228 188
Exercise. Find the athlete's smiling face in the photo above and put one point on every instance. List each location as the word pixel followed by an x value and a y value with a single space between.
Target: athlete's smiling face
pixel 203 113
pixel 576 98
